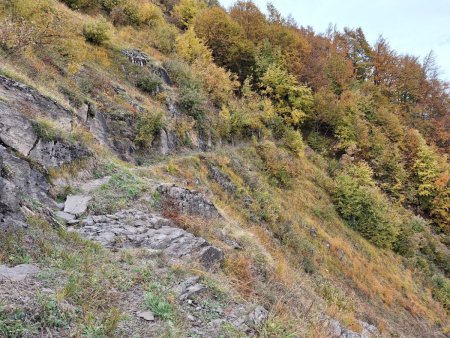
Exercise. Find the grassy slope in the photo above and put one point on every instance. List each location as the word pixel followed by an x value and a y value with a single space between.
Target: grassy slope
pixel 287 262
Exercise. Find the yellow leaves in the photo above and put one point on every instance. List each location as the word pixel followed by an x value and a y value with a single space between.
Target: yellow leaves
pixel 141 12
pixel 295 117
pixel 186 10
pixel 192 49
pixel 291 99
pixel 219 83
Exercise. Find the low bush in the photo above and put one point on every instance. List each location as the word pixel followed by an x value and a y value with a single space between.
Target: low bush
pixel 96 32
pixel 149 126
pixel 441 291
pixel 192 97
pixel 151 84
pixel 164 37
pixel 278 164
pixel 365 210
pixel 155 301
pixel 81 4
pixel 141 12
pixel 109 5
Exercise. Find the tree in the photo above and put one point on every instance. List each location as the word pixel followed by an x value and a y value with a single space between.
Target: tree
pixel 358 51
pixel 227 41
pixel 251 19
pixel 425 171
pixel 440 207
pixel 192 49
pixel 186 10
pixel 292 100
pixel 385 65
pixel 363 207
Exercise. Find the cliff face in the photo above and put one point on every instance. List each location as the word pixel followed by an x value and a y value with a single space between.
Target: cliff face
pixel 146 192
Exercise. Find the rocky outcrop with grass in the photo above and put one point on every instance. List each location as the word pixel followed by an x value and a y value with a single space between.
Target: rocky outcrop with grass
pixel 136 229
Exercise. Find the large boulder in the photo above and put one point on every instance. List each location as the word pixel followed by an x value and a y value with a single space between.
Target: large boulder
pixel 19 181
pixel 76 204
pixel 16 131
pixel 187 201
pixel 55 153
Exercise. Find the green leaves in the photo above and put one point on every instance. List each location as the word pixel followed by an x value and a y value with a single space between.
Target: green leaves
pixel 292 100
pixel 364 208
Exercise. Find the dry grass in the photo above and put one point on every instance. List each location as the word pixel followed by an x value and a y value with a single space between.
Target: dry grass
pixel 369 280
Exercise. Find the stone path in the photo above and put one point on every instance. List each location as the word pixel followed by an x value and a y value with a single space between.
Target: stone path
pixel 137 229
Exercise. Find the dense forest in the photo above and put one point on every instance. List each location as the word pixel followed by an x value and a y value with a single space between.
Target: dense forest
pixel 375 121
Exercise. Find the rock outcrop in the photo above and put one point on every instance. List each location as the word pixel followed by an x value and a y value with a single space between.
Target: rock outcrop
pixel 137 229
pixel 24 154
pixel 221 178
pixel 55 153
pixel 187 201
pixel 30 103
pixel 136 57
pixel 18 181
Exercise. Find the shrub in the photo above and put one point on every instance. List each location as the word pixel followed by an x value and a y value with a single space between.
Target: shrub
pixel 141 12
pixel 164 37
pixel 292 141
pixel 109 5
pixel 96 32
pixel 151 84
pixel 441 291
pixel 192 98
pixel 192 101
pixel 80 4
pixel 278 164
pixel 192 49
pixel 148 126
pixel 365 210
pixel 319 143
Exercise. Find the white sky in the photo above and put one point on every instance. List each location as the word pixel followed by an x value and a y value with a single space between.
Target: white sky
pixel 411 26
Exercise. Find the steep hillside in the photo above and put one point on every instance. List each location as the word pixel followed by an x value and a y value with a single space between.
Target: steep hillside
pixel 172 168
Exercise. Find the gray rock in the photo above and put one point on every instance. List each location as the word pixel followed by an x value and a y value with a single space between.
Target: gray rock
pixel 211 256
pixel 99 128
pixel 76 204
pixel 258 316
pixel 162 73
pixel 187 201
pixel 92 185
pixel 136 57
pixel 17 180
pixel 146 315
pixel 82 112
pixel 16 131
pixel 368 330
pixel 24 98
pixel 66 217
pixel 17 273
pixel 55 153
pixel 133 228
pixel 221 178
pixel 189 288
pixel 338 330
pixel 164 148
